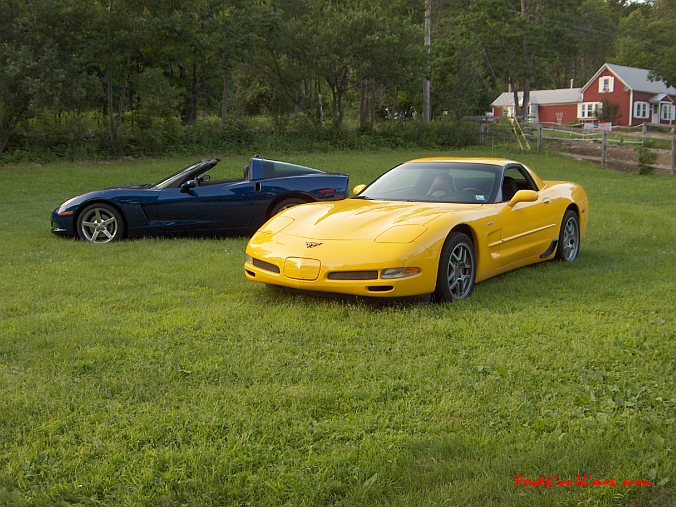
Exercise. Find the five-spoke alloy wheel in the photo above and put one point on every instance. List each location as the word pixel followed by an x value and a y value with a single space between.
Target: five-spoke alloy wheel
pixel 457 268
pixel 100 223
pixel 569 237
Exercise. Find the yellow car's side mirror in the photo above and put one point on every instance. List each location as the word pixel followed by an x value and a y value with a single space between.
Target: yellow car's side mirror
pixel 523 196
pixel 358 189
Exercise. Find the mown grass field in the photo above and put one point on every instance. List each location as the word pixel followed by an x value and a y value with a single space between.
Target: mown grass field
pixel 151 372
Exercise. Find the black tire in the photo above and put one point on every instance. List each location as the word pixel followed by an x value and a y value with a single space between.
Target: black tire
pixel 569 237
pixel 457 268
pixel 100 223
pixel 286 203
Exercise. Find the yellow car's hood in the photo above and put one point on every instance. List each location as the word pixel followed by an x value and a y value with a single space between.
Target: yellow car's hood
pixel 357 219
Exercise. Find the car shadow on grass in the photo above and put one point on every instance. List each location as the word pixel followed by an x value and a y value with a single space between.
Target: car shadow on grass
pixel 370 301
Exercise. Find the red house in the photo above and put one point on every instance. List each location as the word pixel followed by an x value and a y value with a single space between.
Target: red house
pixel 546 106
pixel 638 99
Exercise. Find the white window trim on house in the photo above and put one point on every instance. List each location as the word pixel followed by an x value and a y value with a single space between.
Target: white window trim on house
pixel 642 109
pixel 606 84
pixel 587 110
pixel 667 112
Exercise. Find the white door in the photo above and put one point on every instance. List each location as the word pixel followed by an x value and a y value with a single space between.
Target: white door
pixel 656 113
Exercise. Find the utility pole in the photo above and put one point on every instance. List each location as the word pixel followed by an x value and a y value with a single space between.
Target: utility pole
pixel 427 108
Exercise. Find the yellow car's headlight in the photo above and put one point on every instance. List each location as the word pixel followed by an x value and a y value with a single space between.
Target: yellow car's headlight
pixel 390 273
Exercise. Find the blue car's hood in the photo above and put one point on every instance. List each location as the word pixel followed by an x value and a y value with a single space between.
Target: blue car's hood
pixel 122 193
pixel 131 187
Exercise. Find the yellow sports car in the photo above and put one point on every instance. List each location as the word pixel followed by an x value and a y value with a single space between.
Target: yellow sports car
pixel 429 226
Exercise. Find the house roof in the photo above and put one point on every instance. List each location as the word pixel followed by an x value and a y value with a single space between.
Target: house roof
pixel 636 79
pixel 660 97
pixel 542 97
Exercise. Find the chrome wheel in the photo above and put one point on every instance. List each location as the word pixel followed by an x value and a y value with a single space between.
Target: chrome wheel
pixel 460 271
pixel 569 238
pixel 457 268
pixel 100 223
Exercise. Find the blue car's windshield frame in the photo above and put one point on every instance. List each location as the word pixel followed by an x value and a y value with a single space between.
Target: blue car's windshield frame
pixel 172 181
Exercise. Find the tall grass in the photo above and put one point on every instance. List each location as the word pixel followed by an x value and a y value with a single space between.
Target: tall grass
pixel 150 372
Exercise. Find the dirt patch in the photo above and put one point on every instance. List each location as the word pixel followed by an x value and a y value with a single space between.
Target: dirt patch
pixel 619 158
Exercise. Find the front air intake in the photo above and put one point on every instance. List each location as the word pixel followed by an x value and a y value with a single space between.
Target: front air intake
pixel 353 275
pixel 380 288
pixel 265 265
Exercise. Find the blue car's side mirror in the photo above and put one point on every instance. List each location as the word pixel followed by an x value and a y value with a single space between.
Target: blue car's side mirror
pixel 187 186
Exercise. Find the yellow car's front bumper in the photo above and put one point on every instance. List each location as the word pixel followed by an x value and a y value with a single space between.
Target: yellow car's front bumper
pixel 341 266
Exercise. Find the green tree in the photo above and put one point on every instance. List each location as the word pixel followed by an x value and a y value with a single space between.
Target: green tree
pixel 280 76
pixel 187 37
pixel 115 34
pixel 635 46
pixel 234 21
pixel 462 82
pixel 40 66
pixel 664 46
pixel 388 58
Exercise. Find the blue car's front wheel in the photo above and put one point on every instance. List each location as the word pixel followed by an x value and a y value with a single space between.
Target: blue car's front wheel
pixel 100 223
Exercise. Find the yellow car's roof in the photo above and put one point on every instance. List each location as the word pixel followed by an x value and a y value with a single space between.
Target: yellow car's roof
pixel 469 160
pixel 481 160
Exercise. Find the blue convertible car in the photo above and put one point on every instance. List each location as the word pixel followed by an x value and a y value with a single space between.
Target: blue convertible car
pixel 190 202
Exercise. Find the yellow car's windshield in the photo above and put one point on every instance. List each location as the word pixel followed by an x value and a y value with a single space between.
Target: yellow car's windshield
pixel 452 182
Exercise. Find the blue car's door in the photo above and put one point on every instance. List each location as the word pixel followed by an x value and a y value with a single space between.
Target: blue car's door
pixel 214 207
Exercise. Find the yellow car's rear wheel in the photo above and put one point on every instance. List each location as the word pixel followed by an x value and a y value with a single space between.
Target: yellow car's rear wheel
pixel 457 268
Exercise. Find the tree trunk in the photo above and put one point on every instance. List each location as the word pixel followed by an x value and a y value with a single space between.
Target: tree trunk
pixel 11 121
pixel 224 103
pixel 111 116
pixel 363 106
pixel 320 98
pixel 195 90
pixel 394 104
pixel 114 119
pixel 528 59
pixel 373 105
pixel 226 75
pixel 335 120
pixel 427 107
pixel 515 91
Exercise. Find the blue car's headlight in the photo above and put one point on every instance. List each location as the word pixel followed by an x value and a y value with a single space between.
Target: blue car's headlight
pixel 63 209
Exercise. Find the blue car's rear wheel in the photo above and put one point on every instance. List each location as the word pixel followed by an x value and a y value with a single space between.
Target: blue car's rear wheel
pixel 100 223
pixel 286 203
pixel 457 268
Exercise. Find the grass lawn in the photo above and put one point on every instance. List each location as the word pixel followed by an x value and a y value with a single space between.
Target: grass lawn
pixel 151 372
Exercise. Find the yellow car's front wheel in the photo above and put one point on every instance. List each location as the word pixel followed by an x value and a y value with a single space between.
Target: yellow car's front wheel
pixel 569 237
pixel 457 268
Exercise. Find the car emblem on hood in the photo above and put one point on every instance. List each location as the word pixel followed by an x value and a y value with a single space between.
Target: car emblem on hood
pixel 311 244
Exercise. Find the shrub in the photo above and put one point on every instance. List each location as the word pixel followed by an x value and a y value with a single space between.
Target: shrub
pixel 645 159
pixel 84 137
